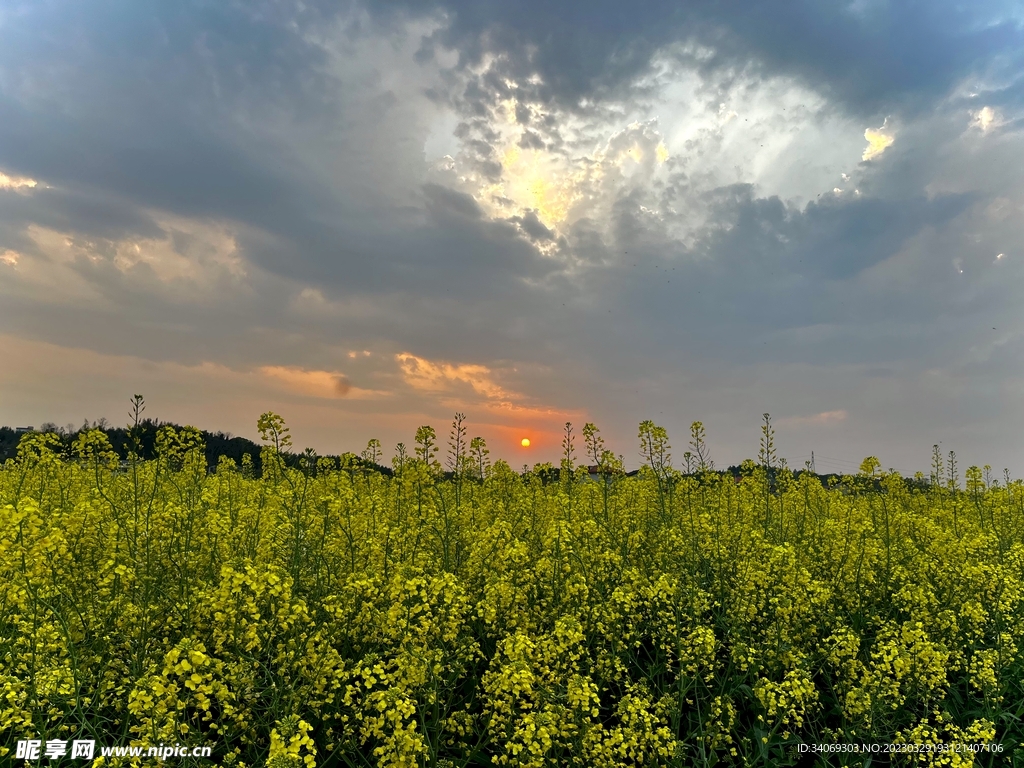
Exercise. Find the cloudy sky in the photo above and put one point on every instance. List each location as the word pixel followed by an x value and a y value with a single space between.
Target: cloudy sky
pixel 366 217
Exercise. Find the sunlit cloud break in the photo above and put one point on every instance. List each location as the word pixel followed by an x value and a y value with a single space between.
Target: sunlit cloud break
pixel 878 142
pixel 16 182
pixel 428 376
pixel 985 119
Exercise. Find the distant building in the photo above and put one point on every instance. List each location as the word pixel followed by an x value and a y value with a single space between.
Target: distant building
pixel 19 430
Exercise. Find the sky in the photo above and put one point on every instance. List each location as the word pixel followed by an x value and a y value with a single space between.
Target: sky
pixel 367 217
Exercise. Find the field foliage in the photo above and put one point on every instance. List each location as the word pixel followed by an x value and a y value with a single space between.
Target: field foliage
pixel 333 615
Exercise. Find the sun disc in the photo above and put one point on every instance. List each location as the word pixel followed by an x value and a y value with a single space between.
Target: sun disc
pixel 526 442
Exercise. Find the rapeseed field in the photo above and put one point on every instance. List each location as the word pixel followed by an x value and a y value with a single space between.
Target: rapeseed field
pixel 332 614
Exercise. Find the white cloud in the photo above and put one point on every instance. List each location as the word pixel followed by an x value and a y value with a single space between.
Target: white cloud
pixel 666 148
pixel 878 141
pixel 985 119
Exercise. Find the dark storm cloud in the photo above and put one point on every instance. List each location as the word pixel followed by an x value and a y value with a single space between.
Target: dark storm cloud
pixel 771 282
pixel 872 56
pixel 533 226
pixel 452 248
pixel 160 162
pixel 835 238
pixel 90 212
pixel 164 106
pixel 158 56
pixel 123 108
pixel 142 102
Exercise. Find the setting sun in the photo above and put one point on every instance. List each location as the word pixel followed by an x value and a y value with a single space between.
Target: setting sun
pixel 526 442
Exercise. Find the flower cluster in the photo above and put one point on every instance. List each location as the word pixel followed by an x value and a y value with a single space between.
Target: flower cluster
pixel 332 614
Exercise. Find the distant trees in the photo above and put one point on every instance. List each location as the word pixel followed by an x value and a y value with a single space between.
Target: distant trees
pixel 141 438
